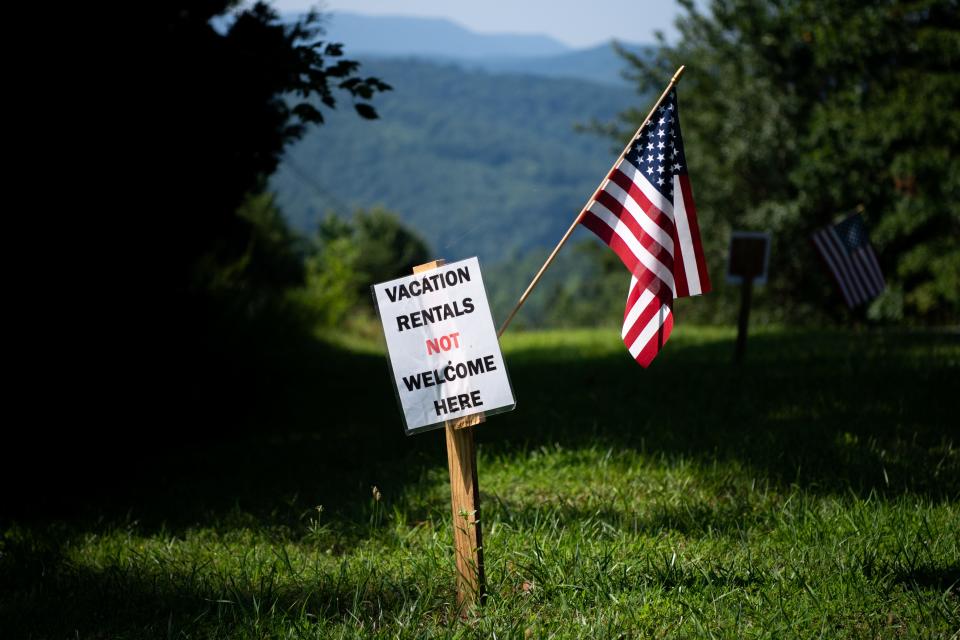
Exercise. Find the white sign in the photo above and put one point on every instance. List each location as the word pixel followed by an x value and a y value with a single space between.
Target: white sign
pixel 444 354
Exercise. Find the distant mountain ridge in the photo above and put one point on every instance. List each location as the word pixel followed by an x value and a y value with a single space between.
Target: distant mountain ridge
pixel 440 40
pixel 429 37
pixel 600 64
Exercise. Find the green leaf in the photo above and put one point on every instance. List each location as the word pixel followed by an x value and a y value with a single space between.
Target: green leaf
pixel 366 111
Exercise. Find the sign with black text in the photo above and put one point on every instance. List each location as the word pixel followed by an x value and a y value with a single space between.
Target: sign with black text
pixel 442 346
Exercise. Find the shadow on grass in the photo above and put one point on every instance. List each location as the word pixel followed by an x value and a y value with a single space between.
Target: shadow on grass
pixel 831 412
pixel 939 578
pixel 178 600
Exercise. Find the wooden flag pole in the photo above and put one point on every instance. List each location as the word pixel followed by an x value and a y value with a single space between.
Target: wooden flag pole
pixel 464 500
pixel 576 221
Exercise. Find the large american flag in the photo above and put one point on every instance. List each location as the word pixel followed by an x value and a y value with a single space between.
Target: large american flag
pixel 644 211
pixel 846 250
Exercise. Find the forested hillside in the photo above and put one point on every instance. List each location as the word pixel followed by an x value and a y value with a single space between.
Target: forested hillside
pixel 478 163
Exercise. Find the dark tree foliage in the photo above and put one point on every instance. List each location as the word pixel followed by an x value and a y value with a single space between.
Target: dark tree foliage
pixel 226 107
pixel 223 105
pixel 167 298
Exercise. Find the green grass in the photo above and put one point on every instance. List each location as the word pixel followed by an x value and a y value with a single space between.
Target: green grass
pixel 812 492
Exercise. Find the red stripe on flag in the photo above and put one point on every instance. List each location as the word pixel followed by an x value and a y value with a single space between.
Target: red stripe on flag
pixel 873 286
pixel 655 248
pixel 835 248
pixel 645 316
pixel 868 259
pixel 624 182
pixel 603 230
pixel 653 346
pixel 693 225
pixel 660 219
pixel 860 271
pixel 871 257
pixel 679 273
pixel 632 296
pixel 648 313
pixel 834 269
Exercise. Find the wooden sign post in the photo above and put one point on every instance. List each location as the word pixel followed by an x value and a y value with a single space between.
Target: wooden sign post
pixel 749 255
pixel 448 372
pixel 746 296
pixel 464 500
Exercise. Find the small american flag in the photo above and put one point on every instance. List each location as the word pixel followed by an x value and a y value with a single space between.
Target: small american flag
pixel 846 250
pixel 644 211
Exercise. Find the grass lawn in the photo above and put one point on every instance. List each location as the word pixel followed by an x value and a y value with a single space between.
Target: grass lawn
pixel 812 492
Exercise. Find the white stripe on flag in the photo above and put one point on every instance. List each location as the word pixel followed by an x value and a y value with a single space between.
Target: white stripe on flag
pixel 875 265
pixel 638 250
pixel 653 230
pixel 636 309
pixel 870 258
pixel 687 253
pixel 818 240
pixel 836 245
pixel 863 262
pixel 863 271
pixel 650 330
pixel 656 198
pixel 843 272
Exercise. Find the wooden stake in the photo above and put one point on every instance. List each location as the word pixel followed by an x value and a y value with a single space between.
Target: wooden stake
pixel 583 211
pixel 464 500
pixel 746 294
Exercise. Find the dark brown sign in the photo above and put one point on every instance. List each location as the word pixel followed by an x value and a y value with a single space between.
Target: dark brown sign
pixel 749 254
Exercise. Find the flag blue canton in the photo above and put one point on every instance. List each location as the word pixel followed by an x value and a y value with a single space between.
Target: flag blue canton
pixel 658 150
pixel 852 233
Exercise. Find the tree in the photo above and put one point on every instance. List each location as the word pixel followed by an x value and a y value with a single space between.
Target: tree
pixel 796 111
pixel 350 255
pixel 174 279
pixel 224 102
pixel 226 106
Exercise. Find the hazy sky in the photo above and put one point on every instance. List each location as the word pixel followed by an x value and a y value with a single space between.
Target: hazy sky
pixel 578 23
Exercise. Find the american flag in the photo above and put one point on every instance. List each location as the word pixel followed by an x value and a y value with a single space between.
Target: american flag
pixel 644 211
pixel 846 250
